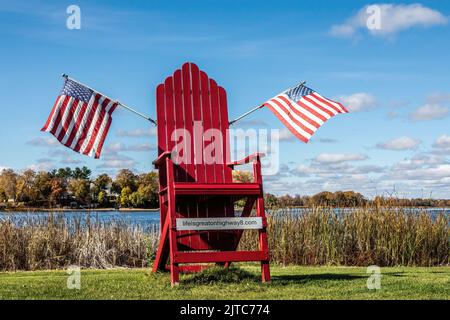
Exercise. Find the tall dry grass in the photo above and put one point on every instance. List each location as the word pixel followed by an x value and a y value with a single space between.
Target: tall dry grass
pixel 57 242
pixel 365 236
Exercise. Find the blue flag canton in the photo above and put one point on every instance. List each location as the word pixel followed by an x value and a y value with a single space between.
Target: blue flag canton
pixel 77 91
pixel 298 92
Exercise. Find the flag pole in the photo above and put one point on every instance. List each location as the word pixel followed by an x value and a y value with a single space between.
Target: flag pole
pixel 245 114
pixel 259 107
pixel 65 76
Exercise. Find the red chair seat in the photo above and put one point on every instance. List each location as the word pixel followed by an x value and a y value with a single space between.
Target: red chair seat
pixel 231 189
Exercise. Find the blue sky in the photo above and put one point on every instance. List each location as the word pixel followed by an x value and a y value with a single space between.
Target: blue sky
pixel 396 81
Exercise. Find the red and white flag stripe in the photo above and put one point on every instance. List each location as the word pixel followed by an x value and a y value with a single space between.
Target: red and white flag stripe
pixel 80 119
pixel 303 110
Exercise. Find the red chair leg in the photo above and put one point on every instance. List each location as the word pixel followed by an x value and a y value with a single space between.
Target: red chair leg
pixel 265 271
pixel 174 269
pixel 163 251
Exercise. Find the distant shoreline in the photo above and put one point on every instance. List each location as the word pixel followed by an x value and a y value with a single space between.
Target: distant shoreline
pixel 77 210
pixel 33 209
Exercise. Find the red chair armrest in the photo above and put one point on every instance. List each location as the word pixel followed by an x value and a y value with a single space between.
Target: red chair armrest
pixel 161 159
pixel 255 156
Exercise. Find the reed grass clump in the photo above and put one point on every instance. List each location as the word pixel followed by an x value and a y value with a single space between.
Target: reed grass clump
pixel 382 236
pixel 57 242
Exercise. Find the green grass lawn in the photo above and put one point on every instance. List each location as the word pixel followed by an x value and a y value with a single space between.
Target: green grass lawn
pixel 293 282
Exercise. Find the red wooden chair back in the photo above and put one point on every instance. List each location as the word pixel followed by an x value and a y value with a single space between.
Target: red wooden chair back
pixel 187 97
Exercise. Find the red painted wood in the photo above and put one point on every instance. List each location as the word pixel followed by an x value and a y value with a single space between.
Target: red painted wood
pixel 174 272
pixel 260 212
pixel 198 146
pixel 205 99
pixel 163 251
pixel 198 119
pixel 207 120
pixel 190 100
pixel 188 111
pixel 217 189
pixel 193 268
pixel 181 173
pixel 162 145
pixel 215 121
pixel 224 256
pixel 224 126
pixel 248 159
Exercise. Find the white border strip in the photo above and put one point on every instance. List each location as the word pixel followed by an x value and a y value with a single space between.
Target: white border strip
pixel 234 223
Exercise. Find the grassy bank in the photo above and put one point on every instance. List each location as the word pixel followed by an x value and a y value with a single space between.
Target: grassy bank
pixel 361 237
pixel 292 282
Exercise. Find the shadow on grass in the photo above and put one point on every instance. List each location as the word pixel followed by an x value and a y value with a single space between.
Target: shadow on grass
pixel 237 275
pixel 305 278
pixel 222 275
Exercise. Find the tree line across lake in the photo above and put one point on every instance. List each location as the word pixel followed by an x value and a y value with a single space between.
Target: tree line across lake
pixel 67 187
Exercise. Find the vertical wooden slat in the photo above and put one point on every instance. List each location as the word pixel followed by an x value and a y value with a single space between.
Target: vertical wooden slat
pixel 188 106
pixel 162 144
pixel 216 207
pixel 200 169
pixel 170 117
pixel 179 119
pixel 180 169
pixel 227 174
pixel 224 129
pixel 197 117
pixel 207 124
pixel 188 120
pixel 207 121
pixel 218 168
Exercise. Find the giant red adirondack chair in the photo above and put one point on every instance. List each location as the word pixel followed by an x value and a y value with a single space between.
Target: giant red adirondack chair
pixel 195 189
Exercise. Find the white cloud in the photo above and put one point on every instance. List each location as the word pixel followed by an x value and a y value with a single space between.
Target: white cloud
pixel 358 101
pixel 436 172
pixel 116 147
pixel 393 18
pixel 117 162
pixel 286 135
pixel 442 142
pixel 43 142
pixel 332 170
pixel 339 157
pixel 70 160
pixel 402 143
pixel 438 98
pixel 42 165
pixel 419 161
pixel 442 145
pixel 429 112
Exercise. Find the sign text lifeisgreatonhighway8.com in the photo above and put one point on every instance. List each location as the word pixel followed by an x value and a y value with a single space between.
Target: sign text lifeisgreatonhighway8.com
pixel 233 223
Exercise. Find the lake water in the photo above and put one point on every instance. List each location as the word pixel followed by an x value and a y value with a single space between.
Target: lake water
pixel 150 219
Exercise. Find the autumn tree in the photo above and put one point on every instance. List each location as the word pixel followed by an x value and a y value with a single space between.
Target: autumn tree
pixel 8 184
pixel 242 176
pixel 80 189
pixel 43 186
pixel 125 200
pixel 125 179
pixel 148 189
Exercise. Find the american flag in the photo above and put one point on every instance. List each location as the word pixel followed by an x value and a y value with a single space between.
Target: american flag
pixel 80 118
pixel 303 111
